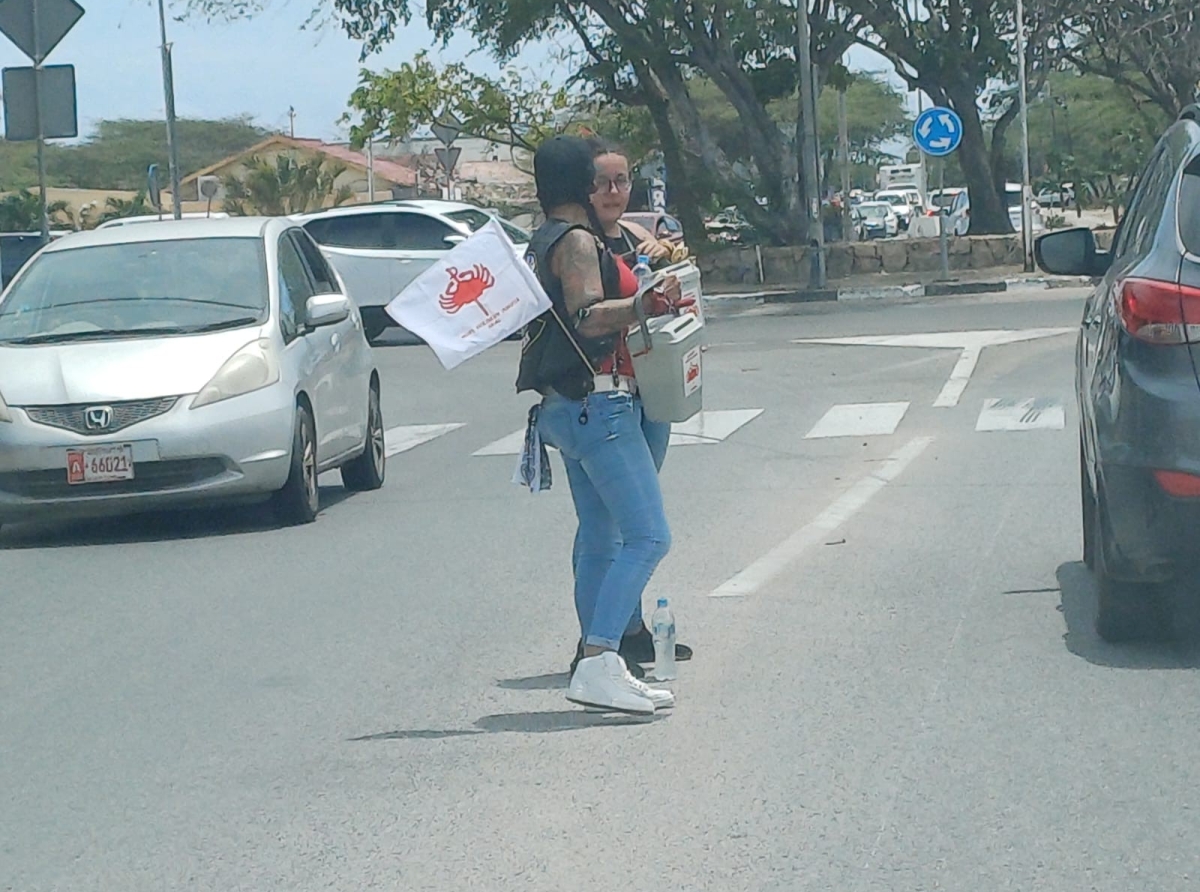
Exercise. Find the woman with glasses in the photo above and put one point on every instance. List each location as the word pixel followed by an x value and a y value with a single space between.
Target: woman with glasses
pixel 576 357
pixel 626 240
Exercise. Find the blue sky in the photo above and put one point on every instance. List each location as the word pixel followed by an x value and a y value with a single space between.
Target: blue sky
pixel 258 67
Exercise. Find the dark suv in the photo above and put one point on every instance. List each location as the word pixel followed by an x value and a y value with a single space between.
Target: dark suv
pixel 1138 389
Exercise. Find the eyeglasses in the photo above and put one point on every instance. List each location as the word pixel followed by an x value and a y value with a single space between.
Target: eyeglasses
pixel 620 184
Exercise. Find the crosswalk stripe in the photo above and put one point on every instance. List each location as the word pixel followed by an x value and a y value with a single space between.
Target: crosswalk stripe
pixel 1021 415
pixel 703 429
pixel 410 436
pixel 859 420
pixel 709 428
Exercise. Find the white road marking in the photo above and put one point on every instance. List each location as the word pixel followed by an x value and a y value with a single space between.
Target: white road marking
pixel 510 445
pixel 409 436
pixel 787 552
pixel 971 343
pixel 1021 415
pixel 704 429
pixel 859 420
pixel 709 428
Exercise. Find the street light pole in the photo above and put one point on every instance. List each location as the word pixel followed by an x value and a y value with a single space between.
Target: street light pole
pixel 1026 185
pixel 169 96
pixel 808 146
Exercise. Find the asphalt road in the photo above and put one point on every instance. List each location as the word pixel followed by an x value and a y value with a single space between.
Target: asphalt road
pixel 896 683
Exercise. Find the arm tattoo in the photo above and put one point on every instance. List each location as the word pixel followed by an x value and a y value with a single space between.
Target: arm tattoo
pixel 576 262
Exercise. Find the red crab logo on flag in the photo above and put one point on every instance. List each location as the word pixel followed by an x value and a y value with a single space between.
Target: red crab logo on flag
pixel 466 287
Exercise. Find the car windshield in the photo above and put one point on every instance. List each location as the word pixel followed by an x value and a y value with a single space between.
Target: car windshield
pixel 874 211
pixel 137 289
pixel 477 219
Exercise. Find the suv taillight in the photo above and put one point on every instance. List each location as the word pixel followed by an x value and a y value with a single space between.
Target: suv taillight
pixel 1160 312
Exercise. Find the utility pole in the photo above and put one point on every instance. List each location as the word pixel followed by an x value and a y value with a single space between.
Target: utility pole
pixel 43 213
pixel 807 130
pixel 844 151
pixel 370 169
pixel 169 96
pixel 1026 185
pixel 292 121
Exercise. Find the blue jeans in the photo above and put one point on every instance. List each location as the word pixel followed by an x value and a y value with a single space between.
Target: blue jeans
pixel 623 534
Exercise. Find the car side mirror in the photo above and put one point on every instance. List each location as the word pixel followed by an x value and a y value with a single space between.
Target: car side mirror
pixel 453 240
pixel 326 309
pixel 1071 252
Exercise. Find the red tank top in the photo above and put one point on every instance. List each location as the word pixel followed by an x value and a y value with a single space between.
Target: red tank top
pixel 628 288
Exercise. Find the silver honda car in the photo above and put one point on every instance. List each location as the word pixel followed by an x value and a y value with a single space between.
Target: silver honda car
pixel 144 367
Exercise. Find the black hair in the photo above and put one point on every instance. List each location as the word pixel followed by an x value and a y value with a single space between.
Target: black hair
pixel 564 172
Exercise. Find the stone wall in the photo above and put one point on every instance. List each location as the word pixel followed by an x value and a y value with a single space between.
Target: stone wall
pixel 788 266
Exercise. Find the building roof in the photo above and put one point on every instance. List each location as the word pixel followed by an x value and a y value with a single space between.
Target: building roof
pixel 385 169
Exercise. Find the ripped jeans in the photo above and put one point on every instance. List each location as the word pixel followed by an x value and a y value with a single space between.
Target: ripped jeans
pixel 612 468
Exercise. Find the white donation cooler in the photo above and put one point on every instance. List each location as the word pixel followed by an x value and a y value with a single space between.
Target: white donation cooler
pixel 668 363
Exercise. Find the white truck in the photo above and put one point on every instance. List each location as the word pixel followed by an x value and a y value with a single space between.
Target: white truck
pixel 897 176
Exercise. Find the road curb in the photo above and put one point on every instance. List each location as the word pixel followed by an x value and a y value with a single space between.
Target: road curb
pixel 733 302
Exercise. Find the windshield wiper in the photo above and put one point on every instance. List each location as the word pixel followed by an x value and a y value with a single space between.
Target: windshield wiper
pixel 124 333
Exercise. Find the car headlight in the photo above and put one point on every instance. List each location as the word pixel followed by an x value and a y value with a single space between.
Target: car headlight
pixel 5 415
pixel 253 367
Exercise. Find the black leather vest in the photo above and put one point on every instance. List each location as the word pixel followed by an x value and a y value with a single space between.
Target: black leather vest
pixel 548 359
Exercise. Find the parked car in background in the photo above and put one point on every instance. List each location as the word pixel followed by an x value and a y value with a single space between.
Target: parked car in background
pixel 1136 385
pixel 380 248
pixel 901 203
pixel 664 226
pixel 148 367
pixel 1057 197
pixel 960 211
pixel 943 199
pixel 878 219
pixel 17 248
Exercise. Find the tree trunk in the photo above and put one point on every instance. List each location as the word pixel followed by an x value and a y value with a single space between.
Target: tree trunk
pixel 989 213
pixel 679 183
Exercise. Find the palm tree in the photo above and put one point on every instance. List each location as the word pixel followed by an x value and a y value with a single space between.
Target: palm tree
pixel 22 212
pixel 286 186
pixel 115 208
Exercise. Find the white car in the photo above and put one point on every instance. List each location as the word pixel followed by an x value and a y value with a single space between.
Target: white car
pixel 960 211
pixel 380 248
pixel 149 367
pixel 877 220
pixel 901 202
pixel 161 218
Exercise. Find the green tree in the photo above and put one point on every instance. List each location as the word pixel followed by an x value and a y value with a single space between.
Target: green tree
pixel 116 208
pixel 285 186
pixel 22 212
pixel 1149 49
pixel 646 53
pixel 961 54
pixel 507 111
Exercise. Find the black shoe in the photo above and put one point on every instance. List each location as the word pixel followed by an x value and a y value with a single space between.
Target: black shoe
pixel 634 669
pixel 638 647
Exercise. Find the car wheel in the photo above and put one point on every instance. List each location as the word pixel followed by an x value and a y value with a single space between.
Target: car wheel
pixel 1125 611
pixel 367 471
pixel 300 499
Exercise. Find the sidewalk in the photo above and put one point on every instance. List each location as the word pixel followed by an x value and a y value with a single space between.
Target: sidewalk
pixel 881 286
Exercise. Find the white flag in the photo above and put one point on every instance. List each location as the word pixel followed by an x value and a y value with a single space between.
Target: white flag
pixel 478 294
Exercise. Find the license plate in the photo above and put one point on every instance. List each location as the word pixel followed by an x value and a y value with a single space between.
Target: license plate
pixel 100 464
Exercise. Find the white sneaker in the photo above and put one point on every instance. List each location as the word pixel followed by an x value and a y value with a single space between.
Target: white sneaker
pixel 603 681
pixel 660 697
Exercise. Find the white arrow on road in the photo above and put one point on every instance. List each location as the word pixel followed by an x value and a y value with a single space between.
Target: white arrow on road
pixel 971 343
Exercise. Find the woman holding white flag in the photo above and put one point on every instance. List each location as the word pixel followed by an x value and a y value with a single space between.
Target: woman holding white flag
pixel 575 356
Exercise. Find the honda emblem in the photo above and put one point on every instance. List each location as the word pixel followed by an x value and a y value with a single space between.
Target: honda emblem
pixel 98 418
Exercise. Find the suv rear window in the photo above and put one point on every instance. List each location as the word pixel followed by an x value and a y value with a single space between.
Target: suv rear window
pixel 1189 207
pixel 350 231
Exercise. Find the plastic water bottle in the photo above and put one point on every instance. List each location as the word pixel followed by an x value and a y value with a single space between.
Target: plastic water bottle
pixel 662 626
pixel 642 271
